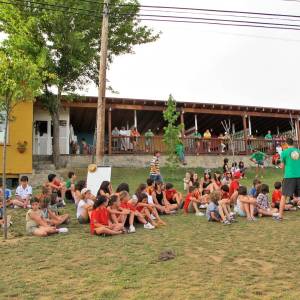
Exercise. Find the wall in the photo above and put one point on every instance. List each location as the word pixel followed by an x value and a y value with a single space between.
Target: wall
pixel 19 130
pixel 41 114
pixel 139 161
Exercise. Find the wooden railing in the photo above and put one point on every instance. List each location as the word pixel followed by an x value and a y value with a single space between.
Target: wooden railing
pixel 192 145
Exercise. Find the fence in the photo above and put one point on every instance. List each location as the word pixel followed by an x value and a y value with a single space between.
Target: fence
pixel 192 145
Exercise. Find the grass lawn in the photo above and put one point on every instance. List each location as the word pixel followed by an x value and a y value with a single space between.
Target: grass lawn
pixel 242 261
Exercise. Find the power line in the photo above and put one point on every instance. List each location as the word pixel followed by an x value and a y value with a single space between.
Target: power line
pixel 214 19
pixel 219 23
pixel 171 19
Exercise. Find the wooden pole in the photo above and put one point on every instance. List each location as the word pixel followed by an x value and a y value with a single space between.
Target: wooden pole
pixel 245 133
pixel 196 122
pixel 102 86
pixel 182 123
pixel 109 132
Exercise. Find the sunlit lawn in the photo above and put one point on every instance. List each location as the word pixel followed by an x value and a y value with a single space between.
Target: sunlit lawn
pixel 242 261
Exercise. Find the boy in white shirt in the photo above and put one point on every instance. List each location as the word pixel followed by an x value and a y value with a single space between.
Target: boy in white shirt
pixel 23 194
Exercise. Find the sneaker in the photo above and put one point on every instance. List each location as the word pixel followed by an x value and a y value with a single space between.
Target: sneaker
pixel 232 220
pixel 16 207
pixel 63 202
pixel 131 229
pixel 202 206
pixel 153 217
pixel 226 222
pixel 277 219
pixel 275 215
pixel 232 214
pixel 199 214
pixel 254 219
pixel 149 226
pixel 63 230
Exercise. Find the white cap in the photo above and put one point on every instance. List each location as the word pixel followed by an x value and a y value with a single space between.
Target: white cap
pixel 84 191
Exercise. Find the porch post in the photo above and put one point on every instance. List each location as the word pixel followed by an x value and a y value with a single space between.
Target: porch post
pixel 109 132
pixel 182 122
pixel 196 122
pixel 245 133
pixel 135 119
pixel 250 125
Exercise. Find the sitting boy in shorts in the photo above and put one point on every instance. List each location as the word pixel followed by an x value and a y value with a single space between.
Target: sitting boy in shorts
pixel 23 194
pixel 172 196
pixel 192 202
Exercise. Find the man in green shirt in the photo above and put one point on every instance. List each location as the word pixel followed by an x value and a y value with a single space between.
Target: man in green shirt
pixel 290 161
pixel 269 137
pixel 259 158
pixel 148 139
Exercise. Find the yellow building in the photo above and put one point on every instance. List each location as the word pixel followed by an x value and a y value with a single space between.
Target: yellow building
pixel 19 159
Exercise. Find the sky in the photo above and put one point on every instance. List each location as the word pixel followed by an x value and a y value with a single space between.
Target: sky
pixel 213 64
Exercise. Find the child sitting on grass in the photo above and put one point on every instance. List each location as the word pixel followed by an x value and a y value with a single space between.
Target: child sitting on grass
pixel 192 202
pixel 245 204
pixel 70 186
pixel 253 190
pixel 50 216
pixel 172 196
pixel 100 222
pixel 214 211
pixel 23 194
pixel 187 181
pixel 84 207
pixel 276 198
pixel 126 203
pixel 57 187
pixel 147 210
pixel 105 189
pixel 159 200
pixel 225 203
pixel 117 214
pixel 35 223
pixel 262 202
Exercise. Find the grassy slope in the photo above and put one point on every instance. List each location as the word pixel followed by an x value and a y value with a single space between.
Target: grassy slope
pixel 245 260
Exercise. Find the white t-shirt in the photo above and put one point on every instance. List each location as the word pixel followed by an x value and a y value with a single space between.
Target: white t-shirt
pixel 24 193
pixel 80 207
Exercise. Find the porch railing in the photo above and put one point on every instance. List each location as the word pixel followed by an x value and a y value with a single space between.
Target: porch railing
pixel 192 145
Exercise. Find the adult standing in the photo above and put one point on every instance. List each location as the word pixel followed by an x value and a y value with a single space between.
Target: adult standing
pixel 290 161
pixel 149 140
pixel 207 138
pixel 259 158
pixel 269 138
pixel 154 168
pixel 115 138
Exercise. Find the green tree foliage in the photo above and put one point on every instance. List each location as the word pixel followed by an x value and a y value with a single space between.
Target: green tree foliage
pixel 172 132
pixel 19 81
pixel 71 42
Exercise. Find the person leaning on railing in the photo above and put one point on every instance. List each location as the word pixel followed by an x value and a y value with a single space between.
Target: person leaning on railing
pixel 149 139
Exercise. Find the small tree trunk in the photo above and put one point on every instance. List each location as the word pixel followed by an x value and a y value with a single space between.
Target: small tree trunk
pixel 55 140
pixel 4 176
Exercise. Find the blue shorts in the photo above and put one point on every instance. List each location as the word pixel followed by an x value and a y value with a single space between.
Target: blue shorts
pixel 156 178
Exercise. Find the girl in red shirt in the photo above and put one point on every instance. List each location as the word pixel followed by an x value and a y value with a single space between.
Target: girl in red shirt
pixel 276 198
pixel 147 210
pixel 126 203
pixel 172 196
pixel 100 222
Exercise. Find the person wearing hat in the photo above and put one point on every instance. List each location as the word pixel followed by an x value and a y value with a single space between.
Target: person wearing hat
pixel 84 206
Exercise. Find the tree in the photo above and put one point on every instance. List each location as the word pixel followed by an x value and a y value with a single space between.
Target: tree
pixel 20 81
pixel 72 43
pixel 172 132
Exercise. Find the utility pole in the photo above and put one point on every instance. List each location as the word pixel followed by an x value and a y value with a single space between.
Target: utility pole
pixel 100 138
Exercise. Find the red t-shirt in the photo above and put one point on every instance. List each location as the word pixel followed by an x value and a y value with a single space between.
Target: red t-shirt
pixel 225 195
pixel 234 186
pixel 127 205
pixel 276 196
pixel 170 194
pixel 187 202
pixel 99 215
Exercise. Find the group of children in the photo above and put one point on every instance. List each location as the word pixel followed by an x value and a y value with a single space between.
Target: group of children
pixel 219 196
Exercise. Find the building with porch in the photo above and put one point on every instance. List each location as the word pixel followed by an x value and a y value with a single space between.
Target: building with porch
pixel 248 126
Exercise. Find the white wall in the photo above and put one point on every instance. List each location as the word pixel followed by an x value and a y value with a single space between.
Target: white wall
pixel 43 145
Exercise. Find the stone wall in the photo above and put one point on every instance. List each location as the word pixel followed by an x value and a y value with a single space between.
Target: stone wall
pixel 140 161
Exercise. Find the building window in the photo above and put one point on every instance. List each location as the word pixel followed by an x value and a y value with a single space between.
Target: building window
pixel 2 126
